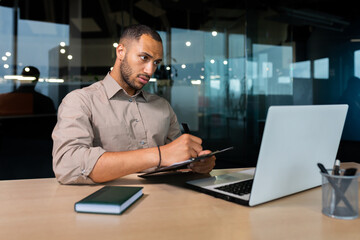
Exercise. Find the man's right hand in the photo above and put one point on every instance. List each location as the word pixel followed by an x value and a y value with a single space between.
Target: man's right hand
pixel 112 165
pixel 184 147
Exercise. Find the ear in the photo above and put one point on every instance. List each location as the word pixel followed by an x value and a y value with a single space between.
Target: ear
pixel 120 52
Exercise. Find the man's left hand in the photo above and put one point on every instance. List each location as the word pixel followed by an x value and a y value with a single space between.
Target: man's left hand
pixel 204 165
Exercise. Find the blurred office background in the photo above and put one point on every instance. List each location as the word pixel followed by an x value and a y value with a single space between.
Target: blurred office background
pixel 225 62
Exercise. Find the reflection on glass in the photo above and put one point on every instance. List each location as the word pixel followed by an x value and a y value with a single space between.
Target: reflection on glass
pixel 272 78
pixel 267 70
pixel 284 79
pixel 235 86
pixel 357 63
pixel 215 84
pixel 321 68
pixel 38 39
pixel 6 46
pixel 252 69
pixel 185 100
pixel 215 77
pixel 300 69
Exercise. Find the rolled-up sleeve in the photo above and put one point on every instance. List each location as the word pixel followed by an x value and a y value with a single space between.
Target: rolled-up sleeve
pixel 74 155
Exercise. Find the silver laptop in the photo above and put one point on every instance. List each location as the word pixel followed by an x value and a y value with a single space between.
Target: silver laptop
pixel 295 139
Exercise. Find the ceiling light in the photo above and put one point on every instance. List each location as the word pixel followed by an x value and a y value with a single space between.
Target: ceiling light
pixel 12 77
pixel 188 43
pixel 196 82
pixel 62 44
pixel 212 61
pixel 183 66
pixel 115 45
pixel 8 54
pixel 70 57
pixel 24 78
pixel 55 80
pixel 4 58
pixel 214 33
pixel 62 51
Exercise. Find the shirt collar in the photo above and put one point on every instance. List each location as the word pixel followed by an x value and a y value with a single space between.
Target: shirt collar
pixel 112 88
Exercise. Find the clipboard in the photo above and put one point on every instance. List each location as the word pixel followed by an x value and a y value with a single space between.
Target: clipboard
pixel 184 164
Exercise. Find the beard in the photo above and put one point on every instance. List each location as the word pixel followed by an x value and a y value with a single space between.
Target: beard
pixel 126 71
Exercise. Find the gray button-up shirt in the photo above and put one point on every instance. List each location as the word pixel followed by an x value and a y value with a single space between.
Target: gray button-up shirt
pixel 104 118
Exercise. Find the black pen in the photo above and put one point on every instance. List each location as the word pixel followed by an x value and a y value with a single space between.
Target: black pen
pixel 337 190
pixel 186 128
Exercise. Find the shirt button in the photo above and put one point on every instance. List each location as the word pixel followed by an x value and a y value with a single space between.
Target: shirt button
pixel 130 100
pixel 136 120
pixel 83 172
pixel 142 142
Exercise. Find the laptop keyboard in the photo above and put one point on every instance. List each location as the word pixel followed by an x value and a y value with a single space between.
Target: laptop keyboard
pixel 239 188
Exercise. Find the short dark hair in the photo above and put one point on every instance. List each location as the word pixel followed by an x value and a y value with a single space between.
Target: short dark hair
pixel 137 30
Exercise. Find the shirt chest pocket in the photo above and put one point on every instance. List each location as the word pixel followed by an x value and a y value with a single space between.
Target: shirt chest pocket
pixel 112 138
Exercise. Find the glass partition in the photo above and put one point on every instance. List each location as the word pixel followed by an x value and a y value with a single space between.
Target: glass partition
pixel 224 63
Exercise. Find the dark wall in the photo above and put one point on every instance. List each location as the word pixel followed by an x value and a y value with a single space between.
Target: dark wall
pixel 25 147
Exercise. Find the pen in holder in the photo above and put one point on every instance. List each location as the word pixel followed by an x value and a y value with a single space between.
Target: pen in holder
pixel 340 194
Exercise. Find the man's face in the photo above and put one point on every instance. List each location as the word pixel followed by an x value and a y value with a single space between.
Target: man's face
pixel 140 62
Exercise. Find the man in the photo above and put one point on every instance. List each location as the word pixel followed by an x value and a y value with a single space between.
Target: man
pixel 113 128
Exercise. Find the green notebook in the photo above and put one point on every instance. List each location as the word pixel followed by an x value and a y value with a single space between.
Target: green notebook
pixel 109 200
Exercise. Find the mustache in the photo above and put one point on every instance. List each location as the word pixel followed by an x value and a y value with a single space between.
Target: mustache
pixel 144 75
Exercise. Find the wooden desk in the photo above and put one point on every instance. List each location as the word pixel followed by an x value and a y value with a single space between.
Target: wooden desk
pixel 43 209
